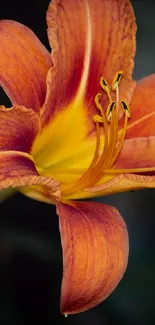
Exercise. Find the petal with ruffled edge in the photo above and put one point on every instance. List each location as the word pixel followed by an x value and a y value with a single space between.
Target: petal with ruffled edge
pixel 95 253
pixel 18 128
pixel 83 49
pixel 24 64
pixel 18 170
pixel 120 183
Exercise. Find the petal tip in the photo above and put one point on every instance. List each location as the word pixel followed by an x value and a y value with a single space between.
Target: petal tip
pixel 95 254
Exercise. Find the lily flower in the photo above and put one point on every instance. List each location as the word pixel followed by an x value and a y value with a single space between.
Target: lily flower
pixel 79 127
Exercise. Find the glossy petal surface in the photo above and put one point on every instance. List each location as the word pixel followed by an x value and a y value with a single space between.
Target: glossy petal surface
pixel 95 252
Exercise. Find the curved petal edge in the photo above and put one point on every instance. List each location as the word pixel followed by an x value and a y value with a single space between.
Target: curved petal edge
pixel 24 65
pixel 95 253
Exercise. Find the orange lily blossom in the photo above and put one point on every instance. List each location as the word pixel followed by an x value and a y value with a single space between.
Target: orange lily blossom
pixel 79 127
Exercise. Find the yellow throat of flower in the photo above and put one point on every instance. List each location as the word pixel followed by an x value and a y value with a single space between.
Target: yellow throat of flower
pixel 113 138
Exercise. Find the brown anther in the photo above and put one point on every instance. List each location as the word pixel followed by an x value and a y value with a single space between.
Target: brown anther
pixel 117 79
pixel 126 108
pixel 110 110
pixel 97 99
pixel 104 85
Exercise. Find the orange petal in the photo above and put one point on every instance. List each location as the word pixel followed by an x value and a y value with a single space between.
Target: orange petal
pixel 17 169
pixel 142 121
pixel 137 153
pixel 88 40
pixel 120 183
pixel 139 147
pixel 24 64
pixel 95 253
pixel 18 128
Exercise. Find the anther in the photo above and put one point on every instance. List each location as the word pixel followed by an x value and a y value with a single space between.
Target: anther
pixel 97 99
pixel 125 108
pixel 110 110
pixel 117 79
pixel 104 85
pixel 98 118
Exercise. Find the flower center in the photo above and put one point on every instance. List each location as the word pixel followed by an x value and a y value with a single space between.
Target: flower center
pixel 113 138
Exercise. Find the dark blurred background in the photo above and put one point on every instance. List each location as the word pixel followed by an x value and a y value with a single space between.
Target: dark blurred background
pixel 30 250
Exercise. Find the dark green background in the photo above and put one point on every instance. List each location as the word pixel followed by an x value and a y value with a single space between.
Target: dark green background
pixel 30 250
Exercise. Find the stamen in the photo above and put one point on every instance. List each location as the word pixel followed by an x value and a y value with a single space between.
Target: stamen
pixel 104 162
pixel 98 105
pixel 110 110
pixel 125 108
pixel 105 125
pixel 98 118
pixel 110 153
pixel 104 121
pixel 117 103
pixel 115 87
pixel 113 138
pixel 117 79
pixel 95 158
pixel 121 142
pixel 104 85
